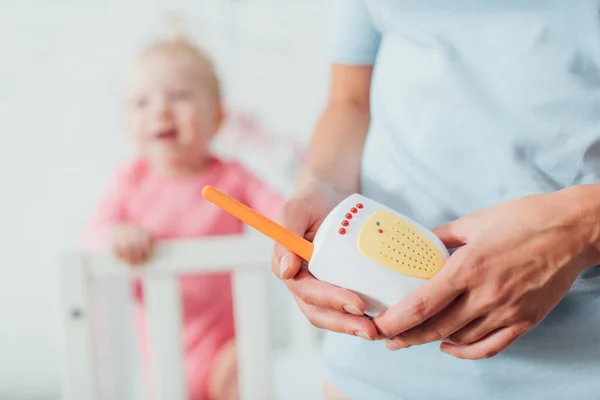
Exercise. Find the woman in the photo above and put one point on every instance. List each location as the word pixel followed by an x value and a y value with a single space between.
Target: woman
pixel 481 119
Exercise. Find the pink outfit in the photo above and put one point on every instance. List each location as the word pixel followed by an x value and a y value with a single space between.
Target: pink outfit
pixel 175 209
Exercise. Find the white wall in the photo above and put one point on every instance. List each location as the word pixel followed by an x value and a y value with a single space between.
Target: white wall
pixel 60 68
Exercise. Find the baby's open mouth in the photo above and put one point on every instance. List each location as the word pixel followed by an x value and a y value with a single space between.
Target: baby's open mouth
pixel 166 134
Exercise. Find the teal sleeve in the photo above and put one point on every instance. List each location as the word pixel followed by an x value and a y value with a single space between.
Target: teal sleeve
pixel 354 37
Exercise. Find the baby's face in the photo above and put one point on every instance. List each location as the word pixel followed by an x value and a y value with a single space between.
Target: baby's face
pixel 172 114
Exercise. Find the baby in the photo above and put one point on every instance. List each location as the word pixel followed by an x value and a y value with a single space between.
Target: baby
pixel 173 112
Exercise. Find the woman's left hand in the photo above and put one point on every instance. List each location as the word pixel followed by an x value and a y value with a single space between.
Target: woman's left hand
pixel 516 263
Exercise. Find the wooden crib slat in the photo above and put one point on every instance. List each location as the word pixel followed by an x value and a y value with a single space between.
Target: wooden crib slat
pixel 81 379
pixel 211 254
pixel 164 321
pixel 253 333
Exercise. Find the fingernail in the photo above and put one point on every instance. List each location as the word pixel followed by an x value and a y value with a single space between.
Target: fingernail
pixel 390 344
pixel 363 335
pixel 284 264
pixel 352 309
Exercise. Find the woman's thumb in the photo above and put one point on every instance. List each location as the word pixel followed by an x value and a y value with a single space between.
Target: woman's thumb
pixel 296 218
pixel 451 234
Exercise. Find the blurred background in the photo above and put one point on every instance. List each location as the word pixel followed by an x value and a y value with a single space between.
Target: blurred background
pixel 61 69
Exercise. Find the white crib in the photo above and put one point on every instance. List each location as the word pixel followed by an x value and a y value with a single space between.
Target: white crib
pixel 98 367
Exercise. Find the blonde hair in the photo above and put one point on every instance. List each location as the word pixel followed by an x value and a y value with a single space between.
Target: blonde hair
pixel 177 43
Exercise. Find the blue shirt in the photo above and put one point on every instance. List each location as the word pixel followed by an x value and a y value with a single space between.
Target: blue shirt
pixel 476 102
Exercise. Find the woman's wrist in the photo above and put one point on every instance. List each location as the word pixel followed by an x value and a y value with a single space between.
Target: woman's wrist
pixel 582 202
pixel 337 146
pixel 346 183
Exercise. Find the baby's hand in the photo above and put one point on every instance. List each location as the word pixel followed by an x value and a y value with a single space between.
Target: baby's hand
pixel 131 244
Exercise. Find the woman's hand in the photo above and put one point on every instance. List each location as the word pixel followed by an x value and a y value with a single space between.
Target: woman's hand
pixel 326 306
pixel 331 173
pixel 518 261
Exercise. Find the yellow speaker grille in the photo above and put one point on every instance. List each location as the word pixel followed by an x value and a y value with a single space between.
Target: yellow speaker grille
pixel 396 244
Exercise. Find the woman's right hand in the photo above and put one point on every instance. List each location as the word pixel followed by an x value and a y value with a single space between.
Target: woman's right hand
pixel 326 306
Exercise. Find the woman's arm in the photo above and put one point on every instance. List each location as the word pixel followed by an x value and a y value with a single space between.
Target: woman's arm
pixel 586 199
pixel 333 170
pixel 331 174
pixel 339 135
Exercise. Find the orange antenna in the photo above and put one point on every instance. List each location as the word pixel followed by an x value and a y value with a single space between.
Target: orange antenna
pixel 281 235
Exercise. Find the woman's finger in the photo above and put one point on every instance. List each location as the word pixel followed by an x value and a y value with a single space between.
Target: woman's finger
pixel 428 300
pixel 324 295
pixel 285 264
pixel 488 346
pixel 474 331
pixel 439 327
pixel 341 322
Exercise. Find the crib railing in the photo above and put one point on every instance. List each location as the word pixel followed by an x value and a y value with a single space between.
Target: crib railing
pixel 246 256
